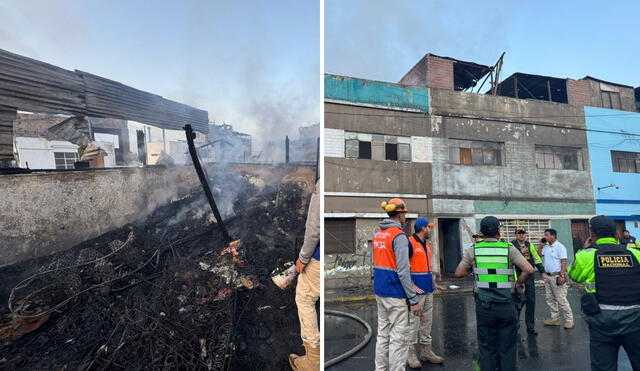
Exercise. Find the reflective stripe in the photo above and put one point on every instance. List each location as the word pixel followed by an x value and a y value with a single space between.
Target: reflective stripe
pixel 491 259
pixel 618 307
pixel 497 285
pixel 492 271
pixel 590 286
pixel 491 251
pixel 385 268
pixel 420 273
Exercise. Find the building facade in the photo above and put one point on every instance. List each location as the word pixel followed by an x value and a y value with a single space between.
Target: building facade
pixel 522 155
pixel 614 149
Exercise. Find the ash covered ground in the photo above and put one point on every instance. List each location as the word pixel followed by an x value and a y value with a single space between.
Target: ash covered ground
pixel 158 294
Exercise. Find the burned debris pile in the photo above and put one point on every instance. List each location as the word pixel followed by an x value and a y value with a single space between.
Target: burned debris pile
pixel 163 293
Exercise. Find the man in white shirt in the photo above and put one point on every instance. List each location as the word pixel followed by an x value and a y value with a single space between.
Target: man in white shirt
pixel 555 280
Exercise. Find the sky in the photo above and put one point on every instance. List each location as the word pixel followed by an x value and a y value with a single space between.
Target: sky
pixel 252 64
pixel 372 39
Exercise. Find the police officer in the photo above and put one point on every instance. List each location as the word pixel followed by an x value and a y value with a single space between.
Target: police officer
pixel 528 250
pixel 395 295
pixel 496 319
pixel 629 240
pixel 611 272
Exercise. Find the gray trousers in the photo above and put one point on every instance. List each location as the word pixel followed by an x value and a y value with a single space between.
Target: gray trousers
pixel 393 327
pixel 420 327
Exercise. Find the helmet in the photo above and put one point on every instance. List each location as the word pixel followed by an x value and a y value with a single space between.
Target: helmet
pixel 395 204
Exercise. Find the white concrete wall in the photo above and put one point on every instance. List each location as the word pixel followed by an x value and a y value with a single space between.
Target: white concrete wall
pixel 333 142
pixel 37 153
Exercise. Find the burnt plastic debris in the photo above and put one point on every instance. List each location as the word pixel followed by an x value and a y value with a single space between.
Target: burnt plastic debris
pixel 150 304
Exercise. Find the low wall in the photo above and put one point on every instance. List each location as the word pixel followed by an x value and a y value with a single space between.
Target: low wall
pixel 43 213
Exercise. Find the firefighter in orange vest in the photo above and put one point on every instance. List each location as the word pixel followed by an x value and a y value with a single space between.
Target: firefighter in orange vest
pixel 424 283
pixel 393 287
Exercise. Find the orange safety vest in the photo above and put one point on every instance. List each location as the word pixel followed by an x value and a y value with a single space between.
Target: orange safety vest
pixel 421 266
pixel 386 282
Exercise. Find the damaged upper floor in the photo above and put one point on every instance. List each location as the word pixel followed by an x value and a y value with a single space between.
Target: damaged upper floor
pixel 434 71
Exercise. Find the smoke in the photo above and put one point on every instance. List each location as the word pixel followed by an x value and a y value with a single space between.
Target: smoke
pixel 377 40
pixel 262 68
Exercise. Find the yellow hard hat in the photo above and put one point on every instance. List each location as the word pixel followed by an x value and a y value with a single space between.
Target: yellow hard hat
pixel 395 204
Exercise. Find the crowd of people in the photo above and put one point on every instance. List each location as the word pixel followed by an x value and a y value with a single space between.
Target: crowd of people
pixel 504 284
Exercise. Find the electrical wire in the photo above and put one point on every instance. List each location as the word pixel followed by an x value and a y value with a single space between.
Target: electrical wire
pixel 554 126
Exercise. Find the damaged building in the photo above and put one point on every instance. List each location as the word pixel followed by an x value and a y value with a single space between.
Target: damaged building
pixel 455 153
pixel 125 266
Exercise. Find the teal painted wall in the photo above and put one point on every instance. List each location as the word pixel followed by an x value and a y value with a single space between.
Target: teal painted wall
pixel 563 226
pixel 534 208
pixel 375 92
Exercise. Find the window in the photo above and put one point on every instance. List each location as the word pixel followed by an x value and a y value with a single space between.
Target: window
pixel 397 148
pixel 377 147
pixel 534 227
pixel 357 145
pixel 391 151
pixel 339 235
pixel 470 152
pixel 561 158
pixel 65 160
pixel 625 162
pixel 611 99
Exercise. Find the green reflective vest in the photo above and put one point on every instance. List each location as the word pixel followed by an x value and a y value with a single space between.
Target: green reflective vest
pixel 583 268
pixel 534 255
pixel 492 270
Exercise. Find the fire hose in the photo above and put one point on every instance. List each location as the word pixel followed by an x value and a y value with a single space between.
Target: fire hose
pixel 355 349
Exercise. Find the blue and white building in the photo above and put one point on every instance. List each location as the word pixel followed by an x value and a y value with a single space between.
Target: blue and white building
pixel 614 152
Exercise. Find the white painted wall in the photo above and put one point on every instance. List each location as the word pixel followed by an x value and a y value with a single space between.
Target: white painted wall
pixel 333 142
pixel 37 153
pixel 421 149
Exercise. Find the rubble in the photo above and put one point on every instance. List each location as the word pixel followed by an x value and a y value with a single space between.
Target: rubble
pixel 162 294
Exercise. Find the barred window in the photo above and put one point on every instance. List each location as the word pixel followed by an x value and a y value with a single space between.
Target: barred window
pixel 534 227
pixel 625 162
pixel 473 152
pixel 65 160
pixel 339 235
pixel 561 158
pixel 357 145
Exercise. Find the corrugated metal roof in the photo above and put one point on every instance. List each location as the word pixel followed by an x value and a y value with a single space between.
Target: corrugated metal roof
pixel 31 85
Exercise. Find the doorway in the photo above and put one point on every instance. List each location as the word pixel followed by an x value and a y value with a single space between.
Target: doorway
pixel 449 231
pixel 620 227
pixel 580 233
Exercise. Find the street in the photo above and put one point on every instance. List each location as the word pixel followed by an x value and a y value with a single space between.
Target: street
pixel 454 337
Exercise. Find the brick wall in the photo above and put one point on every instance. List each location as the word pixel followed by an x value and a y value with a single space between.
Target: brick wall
pixel 579 92
pixel 439 73
pixel 417 76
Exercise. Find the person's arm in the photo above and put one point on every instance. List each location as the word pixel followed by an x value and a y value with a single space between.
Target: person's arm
pixel 466 264
pixel 401 251
pixel 438 287
pixel 312 231
pixel 563 265
pixel 577 271
pixel 518 260
pixel 536 258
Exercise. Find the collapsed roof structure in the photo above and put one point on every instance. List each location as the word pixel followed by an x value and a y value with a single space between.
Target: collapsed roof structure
pixel 30 85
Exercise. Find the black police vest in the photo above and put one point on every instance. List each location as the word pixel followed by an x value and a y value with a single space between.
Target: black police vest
pixel 617 275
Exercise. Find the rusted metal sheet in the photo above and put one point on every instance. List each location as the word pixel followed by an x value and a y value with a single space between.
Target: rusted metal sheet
pixel 31 85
